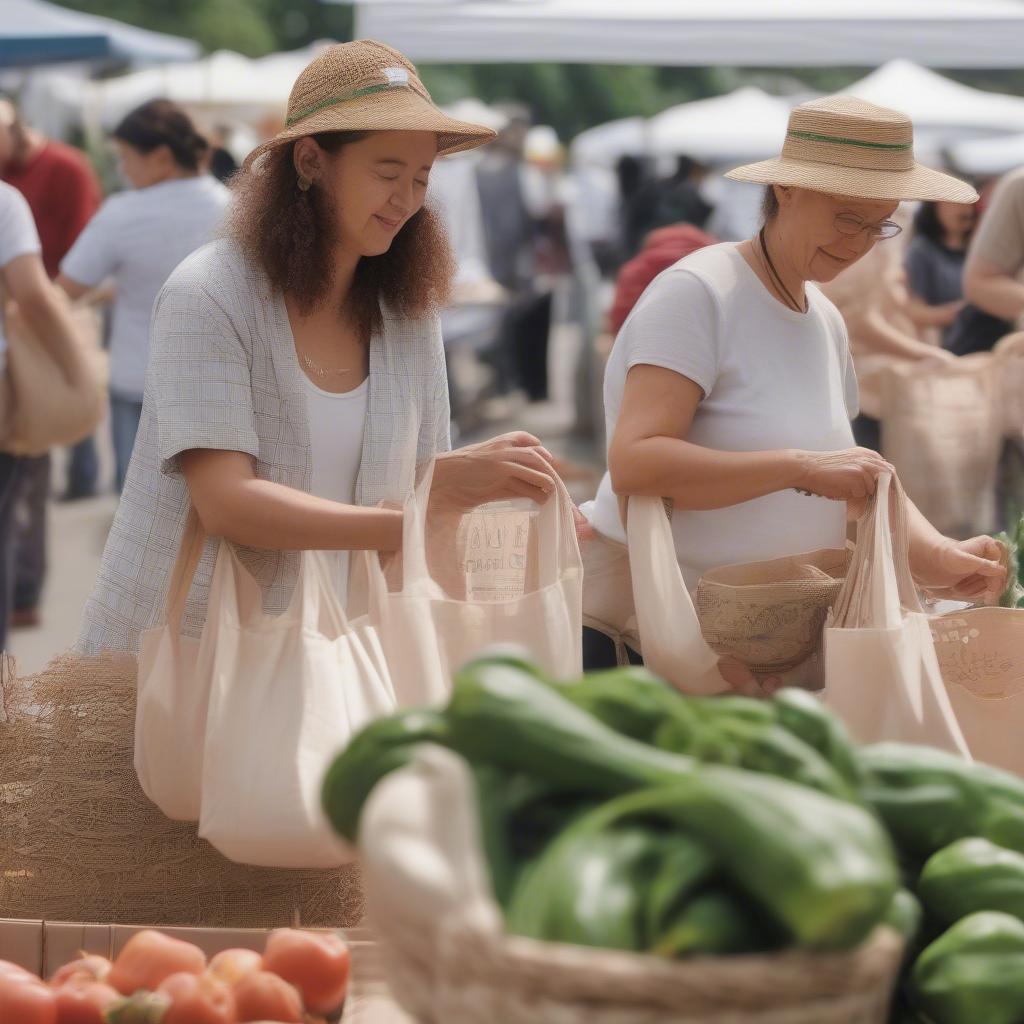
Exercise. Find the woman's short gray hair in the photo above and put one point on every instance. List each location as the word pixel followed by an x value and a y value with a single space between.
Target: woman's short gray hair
pixel 769 205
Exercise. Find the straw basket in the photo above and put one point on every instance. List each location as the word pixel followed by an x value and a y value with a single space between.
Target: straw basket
pixel 448 960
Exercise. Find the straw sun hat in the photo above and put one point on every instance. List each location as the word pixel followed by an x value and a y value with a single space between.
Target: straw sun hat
pixel 367 86
pixel 845 146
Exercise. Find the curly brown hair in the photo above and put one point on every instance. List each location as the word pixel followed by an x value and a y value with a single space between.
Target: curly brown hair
pixel 291 235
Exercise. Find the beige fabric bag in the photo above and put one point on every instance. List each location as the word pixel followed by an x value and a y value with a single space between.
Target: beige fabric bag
pixel 942 430
pixel 770 615
pixel 287 693
pixel 43 408
pixel 1009 358
pixel 881 673
pixel 670 634
pixel 173 694
pixel 503 573
pixel 981 655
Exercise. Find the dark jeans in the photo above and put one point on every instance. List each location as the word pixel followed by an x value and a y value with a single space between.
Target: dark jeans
pixel 867 432
pixel 83 469
pixel 599 651
pixel 10 469
pixel 125 414
pixel 29 531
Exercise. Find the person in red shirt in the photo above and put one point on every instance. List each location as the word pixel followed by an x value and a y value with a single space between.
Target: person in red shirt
pixel 661 248
pixel 63 193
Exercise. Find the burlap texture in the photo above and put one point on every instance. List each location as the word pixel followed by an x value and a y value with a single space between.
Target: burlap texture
pixel 80 841
pixel 770 615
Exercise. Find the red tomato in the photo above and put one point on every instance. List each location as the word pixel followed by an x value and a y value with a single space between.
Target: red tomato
pixel 92 966
pixel 231 965
pixel 316 963
pixel 84 1000
pixel 25 999
pixel 197 999
pixel 150 956
pixel 9 970
pixel 265 996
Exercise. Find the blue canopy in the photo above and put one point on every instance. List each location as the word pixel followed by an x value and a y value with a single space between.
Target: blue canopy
pixel 37 32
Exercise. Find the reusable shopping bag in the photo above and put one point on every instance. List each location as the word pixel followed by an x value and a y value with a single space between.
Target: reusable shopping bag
pixel 881 672
pixel 170 710
pixel 501 573
pixel 287 692
pixel 670 635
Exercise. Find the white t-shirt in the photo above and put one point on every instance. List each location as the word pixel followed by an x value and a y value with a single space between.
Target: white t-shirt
pixel 137 238
pixel 18 237
pixel 336 424
pixel 772 378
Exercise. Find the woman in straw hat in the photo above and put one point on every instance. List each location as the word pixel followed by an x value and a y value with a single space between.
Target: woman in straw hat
pixel 730 388
pixel 297 375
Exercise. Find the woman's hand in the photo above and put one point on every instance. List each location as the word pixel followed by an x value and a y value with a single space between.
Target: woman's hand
pixel 964 570
pixel 514 465
pixel 847 475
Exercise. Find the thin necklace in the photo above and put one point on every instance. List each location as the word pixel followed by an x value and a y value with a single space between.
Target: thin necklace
pixel 776 279
pixel 322 371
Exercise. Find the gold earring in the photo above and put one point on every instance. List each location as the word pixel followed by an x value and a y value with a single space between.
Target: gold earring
pixel 304 183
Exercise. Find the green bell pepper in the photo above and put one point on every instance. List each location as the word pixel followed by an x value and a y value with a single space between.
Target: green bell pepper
pixel 971 875
pixel 973 973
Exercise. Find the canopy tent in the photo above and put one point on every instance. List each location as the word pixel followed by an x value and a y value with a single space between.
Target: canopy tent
pixel 745 124
pixel 937 33
pixel 605 144
pixel 35 32
pixel 937 105
pixel 988 156
pixel 223 80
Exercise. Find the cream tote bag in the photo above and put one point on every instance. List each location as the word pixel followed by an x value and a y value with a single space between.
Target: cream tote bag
pixel 881 672
pixel 173 692
pixel 671 641
pixel 502 573
pixel 981 655
pixel 287 692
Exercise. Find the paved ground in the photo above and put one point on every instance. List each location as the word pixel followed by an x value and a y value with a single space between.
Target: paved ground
pixel 78 530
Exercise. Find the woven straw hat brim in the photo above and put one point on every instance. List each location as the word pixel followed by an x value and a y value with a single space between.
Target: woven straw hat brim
pixel 917 182
pixel 405 110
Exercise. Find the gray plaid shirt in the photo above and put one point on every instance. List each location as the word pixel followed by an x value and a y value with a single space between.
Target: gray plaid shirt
pixel 223 375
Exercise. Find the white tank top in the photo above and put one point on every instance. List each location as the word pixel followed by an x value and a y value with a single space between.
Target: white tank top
pixel 336 424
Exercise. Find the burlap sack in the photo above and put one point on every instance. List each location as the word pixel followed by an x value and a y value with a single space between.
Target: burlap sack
pixel 770 615
pixel 80 841
pixel 942 431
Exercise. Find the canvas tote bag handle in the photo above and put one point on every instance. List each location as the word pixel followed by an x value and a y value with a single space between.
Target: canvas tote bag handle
pixel 190 552
pixel 670 637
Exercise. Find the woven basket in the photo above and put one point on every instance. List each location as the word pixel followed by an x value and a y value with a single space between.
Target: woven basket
pixel 80 841
pixel 770 615
pixel 448 960
pixel 478 974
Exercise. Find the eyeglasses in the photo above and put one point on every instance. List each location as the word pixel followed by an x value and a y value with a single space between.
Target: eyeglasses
pixel 851 224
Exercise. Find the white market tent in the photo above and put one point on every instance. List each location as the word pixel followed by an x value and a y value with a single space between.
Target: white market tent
pixel 604 144
pixel 745 124
pixel 937 33
pixel 934 102
pixel 34 32
pixel 989 156
pixel 224 80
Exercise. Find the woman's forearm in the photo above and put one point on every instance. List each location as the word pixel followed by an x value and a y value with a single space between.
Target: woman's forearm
pixel 699 478
pixel 997 295
pixel 925 542
pixel 262 514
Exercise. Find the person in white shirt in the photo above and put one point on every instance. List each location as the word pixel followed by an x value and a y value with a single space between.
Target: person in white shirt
pixel 23 280
pixel 137 238
pixel 730 389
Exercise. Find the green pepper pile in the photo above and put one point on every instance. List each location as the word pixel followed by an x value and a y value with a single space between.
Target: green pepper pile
pixel 617 813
